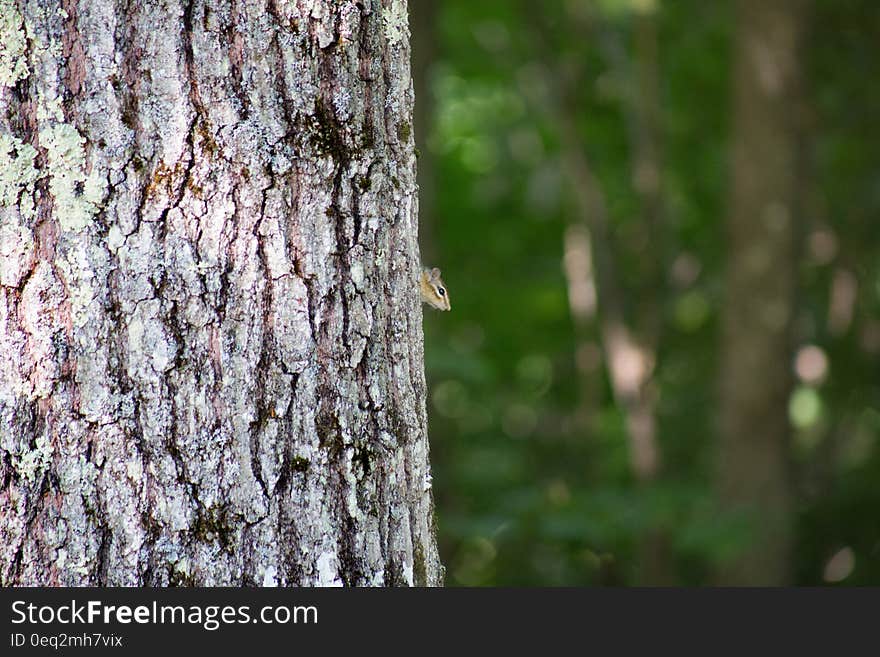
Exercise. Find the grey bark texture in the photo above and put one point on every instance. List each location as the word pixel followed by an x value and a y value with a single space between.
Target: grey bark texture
pixel 211 334
pixel 759 308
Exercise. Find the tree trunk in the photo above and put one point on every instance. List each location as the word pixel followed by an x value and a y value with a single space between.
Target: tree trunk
pixel 760 289
pixel 209 318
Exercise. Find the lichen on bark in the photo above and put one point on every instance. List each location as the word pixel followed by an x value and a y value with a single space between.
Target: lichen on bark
pixel 207 285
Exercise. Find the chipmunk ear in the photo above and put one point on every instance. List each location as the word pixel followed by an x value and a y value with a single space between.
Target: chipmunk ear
pixel 435 273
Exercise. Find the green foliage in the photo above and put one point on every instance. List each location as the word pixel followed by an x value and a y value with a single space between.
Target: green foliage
pixel 529 492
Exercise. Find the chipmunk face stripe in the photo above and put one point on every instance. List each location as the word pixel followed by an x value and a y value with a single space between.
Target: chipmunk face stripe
pixel 433 289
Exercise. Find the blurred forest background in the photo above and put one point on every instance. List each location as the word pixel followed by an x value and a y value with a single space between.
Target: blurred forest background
pixel 658 221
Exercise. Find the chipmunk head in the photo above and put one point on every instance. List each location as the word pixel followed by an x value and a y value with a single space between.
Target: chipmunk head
pixel 434 291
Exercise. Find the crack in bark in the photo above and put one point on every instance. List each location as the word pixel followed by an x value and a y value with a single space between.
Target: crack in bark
pixel 235 43
pixel 189 60
pixel 194 327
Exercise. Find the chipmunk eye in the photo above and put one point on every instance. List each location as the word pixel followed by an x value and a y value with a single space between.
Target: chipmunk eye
pixel 441 291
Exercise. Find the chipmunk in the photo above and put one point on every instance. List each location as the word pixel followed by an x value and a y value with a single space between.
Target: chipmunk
pixel 433 289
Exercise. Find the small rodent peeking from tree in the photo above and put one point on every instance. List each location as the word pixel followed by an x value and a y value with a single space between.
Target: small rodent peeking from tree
pixel 433 289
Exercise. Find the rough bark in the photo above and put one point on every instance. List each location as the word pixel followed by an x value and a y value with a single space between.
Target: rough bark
pixel 211 334
pixel 755 375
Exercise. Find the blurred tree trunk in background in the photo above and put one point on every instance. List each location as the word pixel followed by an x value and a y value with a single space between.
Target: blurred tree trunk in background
pixel 211 335
pixel 755 374
pixel 595 283
pixel 655 558
pixel 646 107
pixel 592 270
